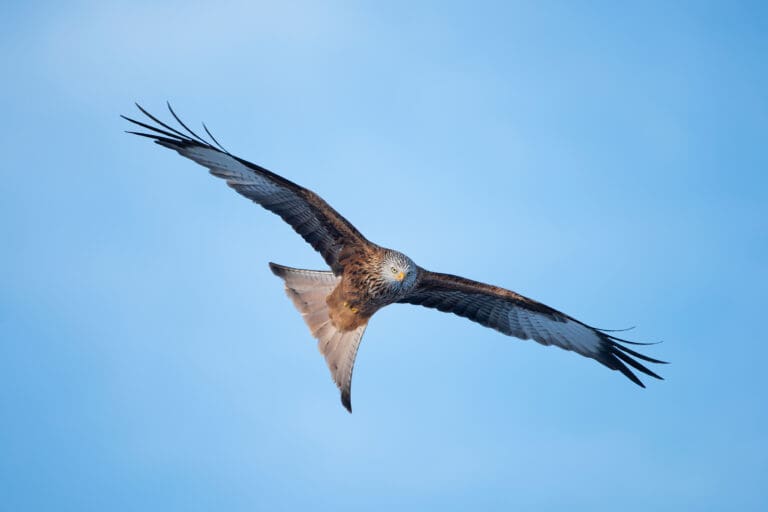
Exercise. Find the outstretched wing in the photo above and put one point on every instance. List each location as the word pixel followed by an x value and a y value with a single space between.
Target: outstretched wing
pixel 519 316
pixel 309 215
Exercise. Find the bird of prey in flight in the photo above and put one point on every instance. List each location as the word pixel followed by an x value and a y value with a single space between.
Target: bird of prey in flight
pixel 338 303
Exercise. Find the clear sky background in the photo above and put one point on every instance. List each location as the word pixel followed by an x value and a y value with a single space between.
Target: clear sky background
pixel 609 161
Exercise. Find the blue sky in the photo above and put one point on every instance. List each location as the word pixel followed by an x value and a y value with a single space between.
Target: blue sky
pixel 609 161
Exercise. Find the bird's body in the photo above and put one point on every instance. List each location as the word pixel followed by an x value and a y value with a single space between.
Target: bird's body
pixel 361 289
pixel 363 277
pixel 359 294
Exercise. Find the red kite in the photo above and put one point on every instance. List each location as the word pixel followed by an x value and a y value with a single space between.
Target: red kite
pixel 364 277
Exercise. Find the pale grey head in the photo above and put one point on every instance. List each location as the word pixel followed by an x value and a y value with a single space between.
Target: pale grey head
pixel 399 272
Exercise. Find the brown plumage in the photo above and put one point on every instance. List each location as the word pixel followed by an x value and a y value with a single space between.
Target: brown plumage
pixel 337 304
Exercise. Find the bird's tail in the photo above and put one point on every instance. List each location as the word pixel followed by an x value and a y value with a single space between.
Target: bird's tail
pixel 309 289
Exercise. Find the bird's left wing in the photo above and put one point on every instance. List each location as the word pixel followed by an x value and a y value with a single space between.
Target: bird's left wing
pixel 515 315
pixel 309 215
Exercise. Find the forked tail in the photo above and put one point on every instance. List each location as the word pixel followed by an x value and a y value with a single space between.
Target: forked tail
pixel 309 289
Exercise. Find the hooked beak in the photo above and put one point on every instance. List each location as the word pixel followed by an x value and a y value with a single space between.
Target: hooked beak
pixel 400 276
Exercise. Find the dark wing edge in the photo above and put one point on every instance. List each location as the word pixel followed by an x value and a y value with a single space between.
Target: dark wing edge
pixel 515 315
pixel 308 214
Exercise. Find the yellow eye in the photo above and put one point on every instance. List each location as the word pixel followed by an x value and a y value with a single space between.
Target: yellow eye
pixel 394 270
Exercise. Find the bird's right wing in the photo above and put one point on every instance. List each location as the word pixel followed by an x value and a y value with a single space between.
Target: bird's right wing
pixel 309 215
pixel 519 316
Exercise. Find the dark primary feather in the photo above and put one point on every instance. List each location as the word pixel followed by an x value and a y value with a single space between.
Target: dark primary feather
pixel 309 215
pixel 519 316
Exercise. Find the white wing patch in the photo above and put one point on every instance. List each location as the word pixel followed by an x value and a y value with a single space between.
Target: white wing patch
pixel 235 173
pixel 567 334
